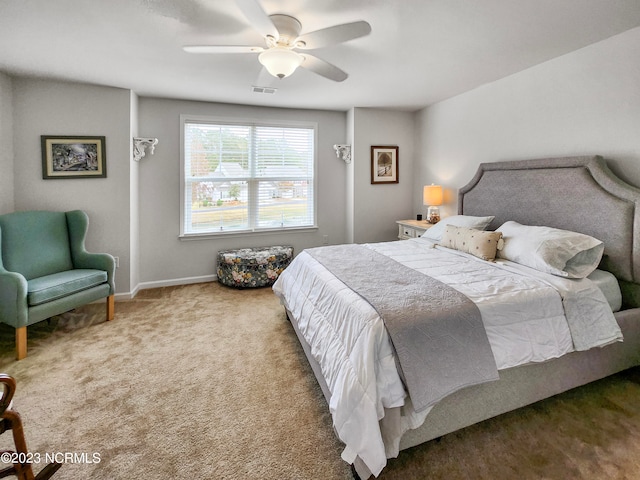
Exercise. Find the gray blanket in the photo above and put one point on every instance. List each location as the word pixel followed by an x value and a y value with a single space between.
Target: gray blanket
pixel 437 332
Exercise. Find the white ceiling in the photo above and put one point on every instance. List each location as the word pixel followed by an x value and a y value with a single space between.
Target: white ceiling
pixel 419 51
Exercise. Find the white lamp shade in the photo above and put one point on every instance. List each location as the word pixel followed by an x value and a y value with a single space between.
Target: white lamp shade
pixel 432 195
pixel 280 61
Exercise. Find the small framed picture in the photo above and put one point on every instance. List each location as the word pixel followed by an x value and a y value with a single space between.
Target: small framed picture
pixel 73 157
pixel 384 164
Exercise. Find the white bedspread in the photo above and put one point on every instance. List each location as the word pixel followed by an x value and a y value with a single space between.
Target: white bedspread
pixel 523 313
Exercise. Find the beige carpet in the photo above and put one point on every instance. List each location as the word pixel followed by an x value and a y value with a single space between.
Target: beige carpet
pixel 202 381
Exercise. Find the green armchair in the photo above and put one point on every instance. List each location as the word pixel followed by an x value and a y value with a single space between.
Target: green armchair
pixel 45 269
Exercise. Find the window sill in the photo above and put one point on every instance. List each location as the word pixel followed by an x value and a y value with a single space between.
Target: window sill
pixel 245 233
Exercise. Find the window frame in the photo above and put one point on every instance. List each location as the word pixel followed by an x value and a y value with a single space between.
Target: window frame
pixel 244 121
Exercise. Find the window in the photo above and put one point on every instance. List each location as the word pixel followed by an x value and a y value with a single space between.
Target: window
pixel 246 177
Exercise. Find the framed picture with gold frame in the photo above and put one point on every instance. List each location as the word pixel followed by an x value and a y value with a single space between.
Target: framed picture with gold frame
pixel 384 164
pixel 73 157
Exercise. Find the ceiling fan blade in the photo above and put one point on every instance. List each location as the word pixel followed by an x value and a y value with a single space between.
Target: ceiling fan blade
pixel 221 49
pixel 333 35
pixel 258 17
pixel 325 69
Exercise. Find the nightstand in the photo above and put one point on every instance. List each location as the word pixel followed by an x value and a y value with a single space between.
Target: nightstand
pixel 412 228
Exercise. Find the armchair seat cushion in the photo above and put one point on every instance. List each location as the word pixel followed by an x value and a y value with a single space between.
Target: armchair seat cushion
pixel 57 285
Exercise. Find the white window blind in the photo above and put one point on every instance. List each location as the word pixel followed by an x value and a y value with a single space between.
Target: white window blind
pixel 247 177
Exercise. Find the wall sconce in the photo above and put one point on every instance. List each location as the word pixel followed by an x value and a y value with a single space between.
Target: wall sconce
pixel 432 197
pixel 345 151
pixel 141 144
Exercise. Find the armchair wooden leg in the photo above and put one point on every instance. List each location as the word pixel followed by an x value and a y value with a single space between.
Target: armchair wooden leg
pixel 21 343
pixel 111 307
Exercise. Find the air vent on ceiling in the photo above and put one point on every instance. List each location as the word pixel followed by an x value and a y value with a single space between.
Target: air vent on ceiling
pixel 269 90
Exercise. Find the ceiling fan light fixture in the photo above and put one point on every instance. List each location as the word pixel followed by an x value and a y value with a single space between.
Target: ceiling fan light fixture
pixel 280 61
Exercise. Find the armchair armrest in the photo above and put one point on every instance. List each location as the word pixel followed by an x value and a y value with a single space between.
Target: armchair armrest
pixel 13 299
pixel 9 387
pixel 78 224
pixel 13 296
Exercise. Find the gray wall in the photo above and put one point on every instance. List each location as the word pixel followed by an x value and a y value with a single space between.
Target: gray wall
pixel 134 201
pixel 56 108
pixel 164 257
pixel 583 103
pixel 350 179
pixel 135 211
pixel 377 207
pixel 6 145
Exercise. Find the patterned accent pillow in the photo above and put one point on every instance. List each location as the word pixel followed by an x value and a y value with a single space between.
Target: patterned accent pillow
pixel 476 242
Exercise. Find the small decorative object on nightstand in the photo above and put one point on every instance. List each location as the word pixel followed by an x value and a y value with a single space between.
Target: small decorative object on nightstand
pixel 412 228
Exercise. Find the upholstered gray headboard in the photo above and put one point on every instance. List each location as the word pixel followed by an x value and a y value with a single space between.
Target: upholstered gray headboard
pixel 574 193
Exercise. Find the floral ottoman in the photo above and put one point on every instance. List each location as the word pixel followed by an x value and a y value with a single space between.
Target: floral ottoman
pixel 253 267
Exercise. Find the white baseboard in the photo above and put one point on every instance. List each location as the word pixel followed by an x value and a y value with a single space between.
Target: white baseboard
pixel 165 283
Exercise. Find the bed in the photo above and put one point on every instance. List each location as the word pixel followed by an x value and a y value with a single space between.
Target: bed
pixel 577 194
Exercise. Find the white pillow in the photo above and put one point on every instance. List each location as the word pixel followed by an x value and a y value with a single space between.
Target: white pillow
pixel 468 221
pixel 551 250
pixel 608 283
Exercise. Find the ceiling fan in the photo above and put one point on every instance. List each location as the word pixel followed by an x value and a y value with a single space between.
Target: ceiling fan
pixel 281 56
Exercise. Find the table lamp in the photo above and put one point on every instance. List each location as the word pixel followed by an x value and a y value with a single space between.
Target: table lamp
pixel 432 197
